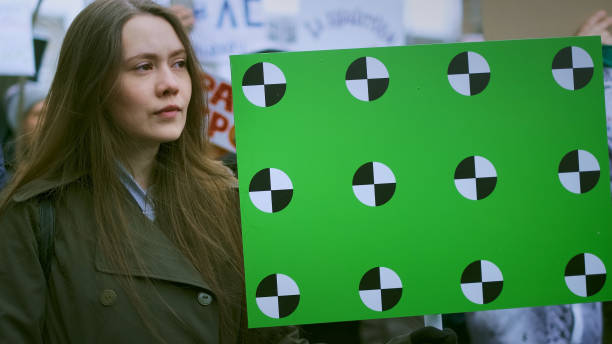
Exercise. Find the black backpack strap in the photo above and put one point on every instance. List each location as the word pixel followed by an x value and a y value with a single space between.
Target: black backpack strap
pixel 46 234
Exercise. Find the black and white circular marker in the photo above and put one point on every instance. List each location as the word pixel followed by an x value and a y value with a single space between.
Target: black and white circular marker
pixel 367 78
pixel 585 274
pixel 469 73
pixel 482 282
pixel 579 171
pixel 373 184
pixel 277 296
pixel 264 84
pixel 572 68
pixel 475 178
pixel 380 289
pixel 270 190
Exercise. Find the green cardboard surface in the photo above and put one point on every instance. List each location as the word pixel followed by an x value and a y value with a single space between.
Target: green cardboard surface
pixel 524 240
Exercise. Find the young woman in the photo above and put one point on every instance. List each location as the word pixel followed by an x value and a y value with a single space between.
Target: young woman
pixel 147 242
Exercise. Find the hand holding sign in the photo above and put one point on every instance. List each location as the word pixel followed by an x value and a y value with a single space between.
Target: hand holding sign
pixel 597 25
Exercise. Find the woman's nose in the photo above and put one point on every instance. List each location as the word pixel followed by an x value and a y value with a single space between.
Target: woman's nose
pixel 167 83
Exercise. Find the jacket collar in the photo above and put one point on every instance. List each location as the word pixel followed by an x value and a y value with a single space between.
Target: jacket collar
pixel 160 258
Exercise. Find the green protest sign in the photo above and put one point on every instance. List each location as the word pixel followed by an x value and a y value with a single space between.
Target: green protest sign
pixel 400 181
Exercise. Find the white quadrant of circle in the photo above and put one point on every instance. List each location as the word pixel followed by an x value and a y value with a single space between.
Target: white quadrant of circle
pixel 376 69
pixel 389 279
pixel 564 77
pixel 383 174
pixel 473 292
pixel 490 272
pixel 581 59
pixel 268 306
pixel 484 168
pixel 593 265
pixel 477 63
pixel 365 194
pixel 467 188
pixel 460 83
pixel 255 94
pixel 570 181
pixel 262 200
pixel 359 89
pixel 272 74
pixel 577 285
pixel 372 299
pixel 587 162
pixel 286 285
pixel 279 180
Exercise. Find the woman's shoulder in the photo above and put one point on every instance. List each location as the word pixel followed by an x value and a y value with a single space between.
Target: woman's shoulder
pixel 44 186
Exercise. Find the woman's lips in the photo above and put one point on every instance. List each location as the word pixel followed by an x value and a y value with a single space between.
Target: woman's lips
pixel 168 112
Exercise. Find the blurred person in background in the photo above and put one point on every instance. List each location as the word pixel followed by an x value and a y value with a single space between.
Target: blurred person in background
pixel 22 122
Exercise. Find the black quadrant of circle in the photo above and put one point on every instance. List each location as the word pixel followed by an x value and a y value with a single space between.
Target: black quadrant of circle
pixel 466 169
pixel 254 76
pixel 564 60
pixel 490 289
pixel 358 70
pixel 280 199
pixel 460 65
pixel 274 93
pixel 267 287
pixel 472 273
pixel 588 179
pixel 261 181
pixel 371 281
pixel 364 174
pixel 577 267
pixel 377 87
pixel 287 304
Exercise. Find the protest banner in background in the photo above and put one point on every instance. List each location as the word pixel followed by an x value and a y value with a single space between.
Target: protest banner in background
pixel 230 27
pixel 323 24
pixel 16 41
pixel 225 27
pixel 221 130
pixel 397 181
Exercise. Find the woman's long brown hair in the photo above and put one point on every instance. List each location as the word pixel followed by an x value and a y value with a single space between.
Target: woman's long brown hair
pixel 194 201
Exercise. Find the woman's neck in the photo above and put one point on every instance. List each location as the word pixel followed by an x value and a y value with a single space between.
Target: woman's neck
pixel 140 164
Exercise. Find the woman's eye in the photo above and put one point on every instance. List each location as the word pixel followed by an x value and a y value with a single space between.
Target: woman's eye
pixel 144 66
pixel 180 64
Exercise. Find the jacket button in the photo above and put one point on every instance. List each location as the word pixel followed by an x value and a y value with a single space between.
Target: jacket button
pixel 204 299
pixel 108 297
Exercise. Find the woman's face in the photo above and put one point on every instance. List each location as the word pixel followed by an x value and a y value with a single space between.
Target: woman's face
pixel 154 84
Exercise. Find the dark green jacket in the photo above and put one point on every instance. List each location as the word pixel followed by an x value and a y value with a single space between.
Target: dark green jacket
pixel 83 300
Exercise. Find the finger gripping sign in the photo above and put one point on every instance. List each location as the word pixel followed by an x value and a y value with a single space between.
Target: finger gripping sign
pixel 399 181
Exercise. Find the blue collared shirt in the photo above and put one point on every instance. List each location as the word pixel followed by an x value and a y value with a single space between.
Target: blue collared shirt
pixel 140 196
